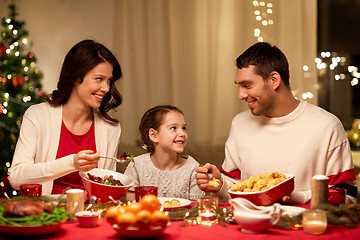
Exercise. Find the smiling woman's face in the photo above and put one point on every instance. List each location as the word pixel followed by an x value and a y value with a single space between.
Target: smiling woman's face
pixel 95 85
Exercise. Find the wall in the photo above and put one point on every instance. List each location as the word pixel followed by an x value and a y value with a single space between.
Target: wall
pixel 55 26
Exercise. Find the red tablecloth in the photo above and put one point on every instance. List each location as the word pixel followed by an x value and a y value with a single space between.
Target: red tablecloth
pixel 71 230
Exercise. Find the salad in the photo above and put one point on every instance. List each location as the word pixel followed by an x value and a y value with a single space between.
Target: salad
pixel 107 180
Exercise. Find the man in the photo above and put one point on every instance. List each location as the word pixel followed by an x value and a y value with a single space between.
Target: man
pixel 280 133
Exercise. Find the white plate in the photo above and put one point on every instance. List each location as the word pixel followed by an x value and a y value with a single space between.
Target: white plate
pixel 54 197
pixel 291 210
pixel 183 202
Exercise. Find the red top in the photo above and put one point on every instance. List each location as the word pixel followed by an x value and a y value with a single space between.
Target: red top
pixel 69 144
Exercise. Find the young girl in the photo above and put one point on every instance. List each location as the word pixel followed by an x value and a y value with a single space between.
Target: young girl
pixel 163 130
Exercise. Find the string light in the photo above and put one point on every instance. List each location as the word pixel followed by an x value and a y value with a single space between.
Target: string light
pixel 262 12
pixel 333 61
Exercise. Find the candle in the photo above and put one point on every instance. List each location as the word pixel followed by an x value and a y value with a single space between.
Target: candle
pixel 319 190
pixel 74 202
pixel 314 221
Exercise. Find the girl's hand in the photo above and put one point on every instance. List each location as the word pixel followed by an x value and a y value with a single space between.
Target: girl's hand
pixel 202 179
pixel 86 160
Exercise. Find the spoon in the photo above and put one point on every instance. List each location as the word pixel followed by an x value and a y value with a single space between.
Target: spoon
pixel 116 159
pixel 125 157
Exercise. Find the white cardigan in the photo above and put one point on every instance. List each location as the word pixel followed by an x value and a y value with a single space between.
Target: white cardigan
pixel 36 149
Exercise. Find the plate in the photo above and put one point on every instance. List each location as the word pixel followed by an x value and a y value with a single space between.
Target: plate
pixel 183 202
pixel 139 233
pixel 291 210
pixel 30 230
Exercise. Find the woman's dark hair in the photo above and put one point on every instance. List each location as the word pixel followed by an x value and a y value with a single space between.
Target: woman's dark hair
pixel 265 58
pixel 82 58
pixel 152 119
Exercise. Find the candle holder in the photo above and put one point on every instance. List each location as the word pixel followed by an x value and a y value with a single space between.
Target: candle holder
pixel 314 221
pixel 74 202
pixel 207 206
pixel 30 190
pixel 141 191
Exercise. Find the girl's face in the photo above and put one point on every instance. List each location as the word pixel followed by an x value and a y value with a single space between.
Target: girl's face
pixel 171 135
pixel 95 85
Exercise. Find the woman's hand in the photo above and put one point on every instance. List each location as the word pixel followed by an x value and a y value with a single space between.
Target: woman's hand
pixel 86 160
pixel 202 178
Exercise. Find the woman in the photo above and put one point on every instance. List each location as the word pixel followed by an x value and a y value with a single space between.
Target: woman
pixel 70 131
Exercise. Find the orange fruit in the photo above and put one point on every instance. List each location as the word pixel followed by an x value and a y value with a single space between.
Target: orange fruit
pixel 134 207
pixel 150 202
pixel 160 218
pixel 144 219
pixel 126 219
pixel 112 213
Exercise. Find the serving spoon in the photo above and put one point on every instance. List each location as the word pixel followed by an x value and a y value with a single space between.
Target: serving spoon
pixel 115 159
pixel 125 157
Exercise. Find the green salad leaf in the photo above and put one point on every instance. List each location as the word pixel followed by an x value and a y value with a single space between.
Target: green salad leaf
pixel 58 215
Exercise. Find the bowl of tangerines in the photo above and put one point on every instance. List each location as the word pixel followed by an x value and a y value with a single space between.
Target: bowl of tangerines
pixel 138 219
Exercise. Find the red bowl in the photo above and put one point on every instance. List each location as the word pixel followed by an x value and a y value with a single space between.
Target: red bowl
pixel 102 191
pixel 270 195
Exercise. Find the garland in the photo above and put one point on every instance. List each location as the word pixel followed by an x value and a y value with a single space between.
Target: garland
pixel 344 215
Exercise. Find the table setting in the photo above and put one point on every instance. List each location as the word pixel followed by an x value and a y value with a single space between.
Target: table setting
pixel 101 212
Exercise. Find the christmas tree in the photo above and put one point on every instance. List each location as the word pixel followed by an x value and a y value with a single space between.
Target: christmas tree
pixel 20 87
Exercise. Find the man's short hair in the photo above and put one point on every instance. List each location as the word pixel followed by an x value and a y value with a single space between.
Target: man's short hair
pixel 266 59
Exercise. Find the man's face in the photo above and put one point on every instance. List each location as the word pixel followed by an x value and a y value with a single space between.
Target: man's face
pixel 255 90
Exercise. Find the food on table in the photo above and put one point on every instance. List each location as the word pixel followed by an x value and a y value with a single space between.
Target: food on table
pixel 214 182
pixel 150 202
pixel 30 213
pixel 26 208
pixel 171 204
pixel 143 215
pixel 259 182
pixel 126 156
pixel 113 212
pixel 107 180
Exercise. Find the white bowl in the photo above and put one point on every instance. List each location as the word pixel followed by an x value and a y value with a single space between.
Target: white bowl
pixel 87 218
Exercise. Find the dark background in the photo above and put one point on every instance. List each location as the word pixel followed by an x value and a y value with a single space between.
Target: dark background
pixel 339 32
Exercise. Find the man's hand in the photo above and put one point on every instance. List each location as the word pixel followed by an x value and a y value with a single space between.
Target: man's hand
pixel 204 173
pixel 86 160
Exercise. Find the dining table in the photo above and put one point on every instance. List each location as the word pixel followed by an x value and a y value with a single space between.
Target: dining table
pixel 70 230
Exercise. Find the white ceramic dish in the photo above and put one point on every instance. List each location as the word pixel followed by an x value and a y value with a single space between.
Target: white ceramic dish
pixel 183 202
pixel 87 218
pixel 270 195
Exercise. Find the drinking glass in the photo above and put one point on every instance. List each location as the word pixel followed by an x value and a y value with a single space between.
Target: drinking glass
pixel 207 209
pixel 30 190
pixel 141 191
pixel 337 196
